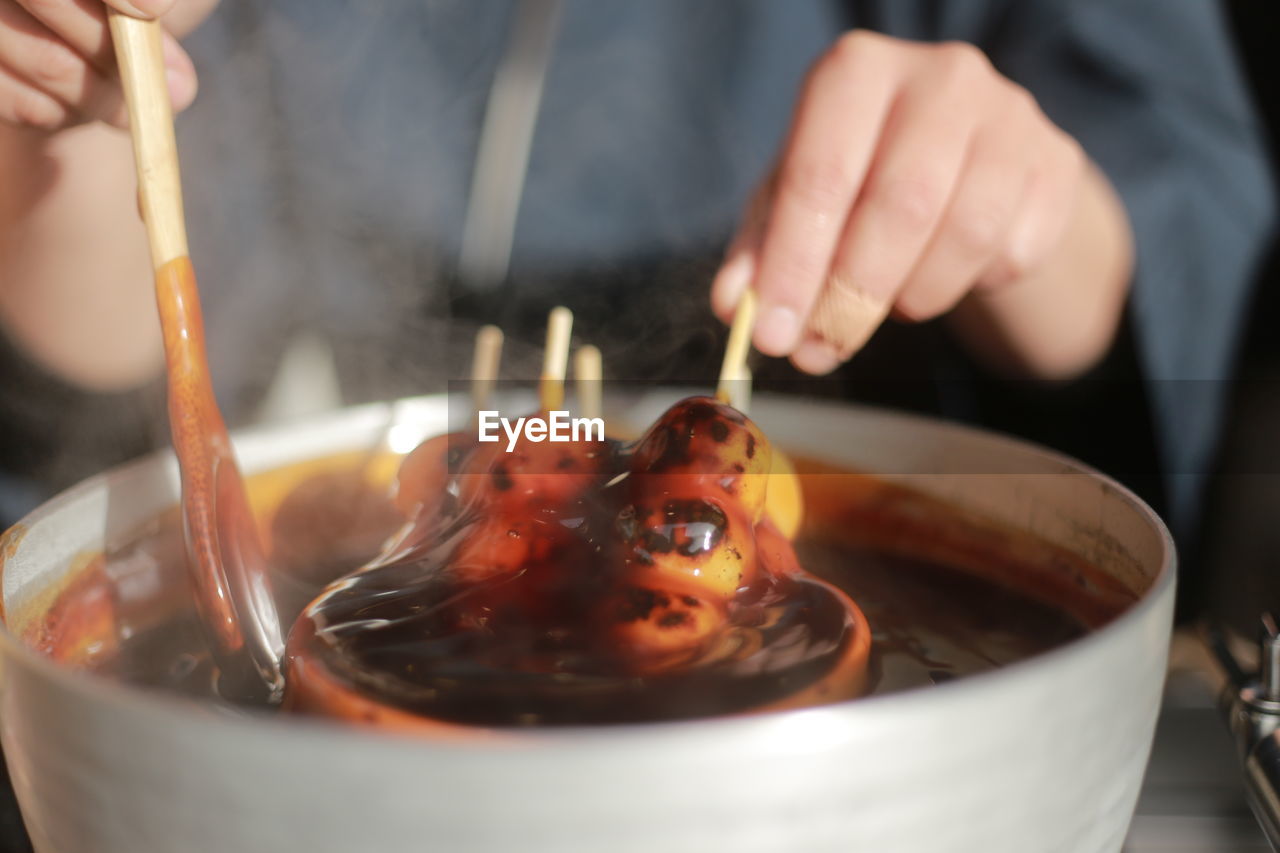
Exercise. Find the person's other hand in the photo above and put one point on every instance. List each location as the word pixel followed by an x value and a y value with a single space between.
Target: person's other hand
pixel 913 173
pixel 57 68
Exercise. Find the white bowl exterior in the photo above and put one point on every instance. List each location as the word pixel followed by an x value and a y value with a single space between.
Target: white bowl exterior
pixel 1045 755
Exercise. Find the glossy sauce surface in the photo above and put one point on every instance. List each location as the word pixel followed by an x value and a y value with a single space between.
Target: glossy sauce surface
pixel 582 583
pixel 930 622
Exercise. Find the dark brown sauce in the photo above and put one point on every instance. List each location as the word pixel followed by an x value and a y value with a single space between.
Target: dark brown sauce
pixel 540 671
pixel 581 584
pixel 930 622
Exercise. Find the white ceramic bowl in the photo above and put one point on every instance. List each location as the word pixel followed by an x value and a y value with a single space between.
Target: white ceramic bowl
pixel 1044 755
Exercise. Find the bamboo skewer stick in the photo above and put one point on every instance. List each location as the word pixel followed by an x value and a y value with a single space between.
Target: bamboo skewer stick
pixel 555 359
pixel 227 566
pixel 743 387
pixel 733 370
pixel 588 373
pixel 484 366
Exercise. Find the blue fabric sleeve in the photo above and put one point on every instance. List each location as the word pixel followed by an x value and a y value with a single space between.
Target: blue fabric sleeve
pixel 1152 91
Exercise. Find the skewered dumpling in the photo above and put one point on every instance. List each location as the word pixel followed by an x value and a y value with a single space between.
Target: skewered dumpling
pixel 583 582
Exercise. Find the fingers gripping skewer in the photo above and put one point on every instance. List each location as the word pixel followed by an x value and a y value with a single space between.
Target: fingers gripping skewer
pixel 588 370
pixel 555 362
pixel 484 366
pixel 733 371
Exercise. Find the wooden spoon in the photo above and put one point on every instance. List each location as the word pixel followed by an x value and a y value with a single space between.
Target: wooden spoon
pixel 225 557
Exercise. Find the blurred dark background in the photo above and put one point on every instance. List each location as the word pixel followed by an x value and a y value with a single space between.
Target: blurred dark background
pixel 1233 569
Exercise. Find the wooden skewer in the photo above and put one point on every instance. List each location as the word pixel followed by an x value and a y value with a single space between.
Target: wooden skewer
pixel 588 372
pixel 733 370
pixel 743 402
pixel 555 359
pixel 226 563
pixel 484 366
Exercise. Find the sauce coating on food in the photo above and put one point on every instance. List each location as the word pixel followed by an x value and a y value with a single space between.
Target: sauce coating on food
pixel 940 607
pixel 583 582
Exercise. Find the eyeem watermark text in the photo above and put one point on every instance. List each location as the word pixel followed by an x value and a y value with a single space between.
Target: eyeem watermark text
pixel 557 427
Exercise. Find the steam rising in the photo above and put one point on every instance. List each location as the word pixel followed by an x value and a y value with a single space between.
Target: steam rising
pixel 328 163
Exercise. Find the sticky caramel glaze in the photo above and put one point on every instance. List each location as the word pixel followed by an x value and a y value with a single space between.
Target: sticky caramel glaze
pixel 863 511
pixel 79 627
pixel 581 583
pixel 226 560
pixel 933 619
pixel 316 686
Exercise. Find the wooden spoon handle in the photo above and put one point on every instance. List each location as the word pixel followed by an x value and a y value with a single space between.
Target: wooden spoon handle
pixel 228 570
pixel 140 54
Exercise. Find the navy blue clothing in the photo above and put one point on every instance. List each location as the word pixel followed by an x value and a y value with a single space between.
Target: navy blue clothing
pixel 328 160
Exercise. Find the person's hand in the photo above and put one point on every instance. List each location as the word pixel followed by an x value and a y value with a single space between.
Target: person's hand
pixel 57 68
pixel 913 174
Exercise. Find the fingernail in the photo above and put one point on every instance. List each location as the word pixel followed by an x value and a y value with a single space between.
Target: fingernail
pixel 182 88
pixel 998 274
pixel 149 8
pixel 777 330
pixel 1021 257
pixel 732 281
pixel 1020 251
pixel 181 74
pixel 174 56
pixel 816 357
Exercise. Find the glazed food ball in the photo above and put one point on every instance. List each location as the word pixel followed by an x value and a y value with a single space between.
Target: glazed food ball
pixel 656 629
pixel 692 542
pixel 532 474
pixel 704 447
